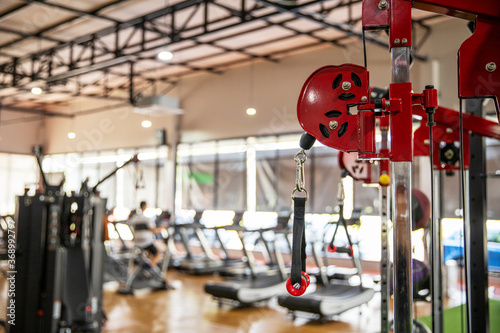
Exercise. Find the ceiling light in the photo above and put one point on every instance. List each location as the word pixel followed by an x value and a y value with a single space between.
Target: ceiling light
pixel 36 91
pixel 146 123
pixel 165 55
pixel 251 111
pixel 71 135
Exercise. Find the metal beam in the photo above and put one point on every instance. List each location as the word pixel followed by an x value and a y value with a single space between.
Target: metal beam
pixel 48 29
pixel 12 108
pixel 49 60
pixel 25 35
pixel 91 68
pixel 308 33
pixel 94 38
pixel 80 13
pixel 131 23
pixel 343 27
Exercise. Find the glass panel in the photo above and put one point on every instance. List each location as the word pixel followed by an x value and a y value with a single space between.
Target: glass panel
pixel 91 172
pixel 198 184
pixel 326 180
pixel 108 188
pixel 365 198
pixel 146 182
pixel 163 185
pixel 72 172
pixel 125 180
pixel 492 184
pixel 231 182
pixel 267 184
pixel 451 191
pixel 130 192
pixel 17 172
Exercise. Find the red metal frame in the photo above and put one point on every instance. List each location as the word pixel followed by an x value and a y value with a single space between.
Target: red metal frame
pixel 330 92
pixel 326 99
pixel 324 106
pixel 465 9
pixel 358 169
pixel 400 23
pixel 447 130
pixel 324 111
pixel 479 55
pixel 443 133
pixel 476 80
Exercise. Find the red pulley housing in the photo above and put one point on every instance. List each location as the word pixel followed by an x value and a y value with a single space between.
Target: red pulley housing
pixel 325 104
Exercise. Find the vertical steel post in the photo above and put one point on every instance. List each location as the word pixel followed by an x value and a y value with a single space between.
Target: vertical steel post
pixel 402 215
pixel 466 232
pixel 384 259
pixel 131 97
pixel 401 174
pixel 475 238
pixel 384 204
pixel 437 258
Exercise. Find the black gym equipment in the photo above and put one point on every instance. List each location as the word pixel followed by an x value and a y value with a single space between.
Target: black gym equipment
pixel 131 267
pixel 324 272
pixel 144 276
pixel 190 262
pixel 207 263
pixel 259 286
pixel 57 265
pixel 281 229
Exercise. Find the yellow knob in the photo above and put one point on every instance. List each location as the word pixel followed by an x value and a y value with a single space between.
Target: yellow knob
pixel 384 179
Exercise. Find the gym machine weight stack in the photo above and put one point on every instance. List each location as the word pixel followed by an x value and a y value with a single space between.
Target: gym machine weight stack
pixel 58 260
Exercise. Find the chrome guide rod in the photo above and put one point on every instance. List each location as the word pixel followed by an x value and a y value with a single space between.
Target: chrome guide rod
pixel 402 215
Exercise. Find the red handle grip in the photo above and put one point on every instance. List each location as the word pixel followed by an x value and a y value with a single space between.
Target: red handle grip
pixel 347 249
pixel 306 277
pixel 296 291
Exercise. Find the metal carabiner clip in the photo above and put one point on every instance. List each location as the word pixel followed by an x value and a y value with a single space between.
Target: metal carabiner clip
pixel 300 158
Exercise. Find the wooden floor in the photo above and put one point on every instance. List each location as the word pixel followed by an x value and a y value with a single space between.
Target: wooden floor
pixel 189 309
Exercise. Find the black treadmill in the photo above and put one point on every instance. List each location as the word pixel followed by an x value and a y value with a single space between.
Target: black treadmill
pixel 270 257
pixel 208 263
pixel 329 300
pixel 254 288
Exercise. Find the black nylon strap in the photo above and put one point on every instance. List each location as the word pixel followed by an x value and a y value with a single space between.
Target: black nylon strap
pixel 344 224
pixel 341 217
pixel 298 240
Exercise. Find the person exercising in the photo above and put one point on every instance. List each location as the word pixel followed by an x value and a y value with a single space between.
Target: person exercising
pixel 145 230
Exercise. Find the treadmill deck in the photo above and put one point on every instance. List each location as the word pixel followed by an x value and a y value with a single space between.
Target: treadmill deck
pixel 248 290
pixel 328 300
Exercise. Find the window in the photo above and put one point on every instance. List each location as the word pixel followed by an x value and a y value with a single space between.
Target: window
pixel 198 182
pixel 326 178
pixel 17 172
pixel 266 163
pixel 230 182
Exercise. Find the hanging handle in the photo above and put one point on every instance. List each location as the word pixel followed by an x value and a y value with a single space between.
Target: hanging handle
pixel 299 279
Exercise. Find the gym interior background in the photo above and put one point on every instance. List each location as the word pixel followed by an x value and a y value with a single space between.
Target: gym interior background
pixel 82 81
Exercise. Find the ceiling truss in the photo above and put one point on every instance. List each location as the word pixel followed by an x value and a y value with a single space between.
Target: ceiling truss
pixel 119 61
